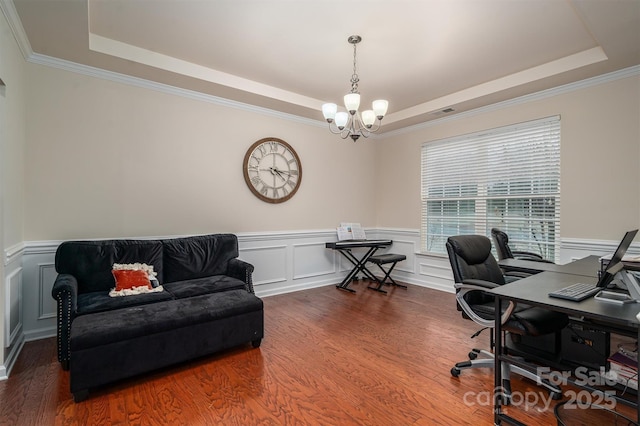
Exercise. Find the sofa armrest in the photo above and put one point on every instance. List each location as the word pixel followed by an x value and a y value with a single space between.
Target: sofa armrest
pixel 241 270
pixel 65 291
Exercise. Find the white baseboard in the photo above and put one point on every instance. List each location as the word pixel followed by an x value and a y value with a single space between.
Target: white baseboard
pixel 43 333
pixel 12 357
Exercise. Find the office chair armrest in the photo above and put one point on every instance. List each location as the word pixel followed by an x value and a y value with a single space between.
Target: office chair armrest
pixel 482 284
pixel 527 255
pixel 511 276
pixel 470 285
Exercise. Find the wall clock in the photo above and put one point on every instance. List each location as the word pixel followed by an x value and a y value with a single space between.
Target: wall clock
pixel 272 170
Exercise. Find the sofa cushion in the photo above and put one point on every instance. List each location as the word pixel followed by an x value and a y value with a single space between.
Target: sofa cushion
pixel 99 301
pixel 200 286
pixel 103 328
pixel 90 262
pixel 199 256
pixel 141 251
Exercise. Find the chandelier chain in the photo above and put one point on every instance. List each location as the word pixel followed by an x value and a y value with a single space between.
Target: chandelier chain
pixel 354 76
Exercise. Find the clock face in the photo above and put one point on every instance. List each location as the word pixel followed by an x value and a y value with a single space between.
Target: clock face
pixel 272 170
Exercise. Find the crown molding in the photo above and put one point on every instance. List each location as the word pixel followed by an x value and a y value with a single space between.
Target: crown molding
pixel 13 19
pixel 49 61
pixel 90 71
pixel 555 91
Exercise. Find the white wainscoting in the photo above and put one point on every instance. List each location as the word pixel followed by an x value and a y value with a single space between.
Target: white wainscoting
pixel 283 261
pixel 13 305
pixel 14 308
pixel 426 270
pixel 292 261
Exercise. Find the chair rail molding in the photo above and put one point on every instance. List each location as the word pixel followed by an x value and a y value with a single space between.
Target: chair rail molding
pixel 13 253
pixel 575 248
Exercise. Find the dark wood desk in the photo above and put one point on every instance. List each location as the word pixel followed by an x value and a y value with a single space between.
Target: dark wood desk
pixel 534 291
pixel 588 266
pixel 359 263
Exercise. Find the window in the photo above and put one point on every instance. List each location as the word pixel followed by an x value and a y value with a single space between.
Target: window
pixel 506 178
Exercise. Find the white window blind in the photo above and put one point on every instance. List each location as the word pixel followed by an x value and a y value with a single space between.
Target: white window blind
pixel 507 178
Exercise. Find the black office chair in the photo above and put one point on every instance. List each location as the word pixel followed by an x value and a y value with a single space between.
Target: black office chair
pixel 475 271
pixel 501 240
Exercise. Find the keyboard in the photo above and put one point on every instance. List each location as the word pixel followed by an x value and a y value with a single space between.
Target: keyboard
pixel 575 292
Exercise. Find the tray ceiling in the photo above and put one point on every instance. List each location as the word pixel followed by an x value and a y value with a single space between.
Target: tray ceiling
pixel 292 56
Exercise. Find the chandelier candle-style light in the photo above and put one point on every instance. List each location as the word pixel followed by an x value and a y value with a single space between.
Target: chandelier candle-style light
pixel 351 123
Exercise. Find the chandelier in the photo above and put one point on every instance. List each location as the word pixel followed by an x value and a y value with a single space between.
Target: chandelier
pixel 352 124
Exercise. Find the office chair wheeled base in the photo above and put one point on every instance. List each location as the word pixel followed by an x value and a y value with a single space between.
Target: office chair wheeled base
pixel 489 362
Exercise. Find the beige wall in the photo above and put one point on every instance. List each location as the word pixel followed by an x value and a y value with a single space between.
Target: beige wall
pixel 12 140
pixel 13 136
pixel 600 159
pixel 106 159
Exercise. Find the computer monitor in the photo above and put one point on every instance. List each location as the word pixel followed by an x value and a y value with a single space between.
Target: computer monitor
pixel 615 264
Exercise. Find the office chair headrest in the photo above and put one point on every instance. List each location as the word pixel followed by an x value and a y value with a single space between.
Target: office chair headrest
pixel 500 234
pixel 474 249
pixel 502 243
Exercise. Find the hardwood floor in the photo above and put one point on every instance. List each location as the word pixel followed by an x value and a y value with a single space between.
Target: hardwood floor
pixel 328 358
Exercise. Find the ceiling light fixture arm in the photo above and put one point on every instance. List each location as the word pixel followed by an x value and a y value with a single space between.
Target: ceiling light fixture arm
pixel 354 128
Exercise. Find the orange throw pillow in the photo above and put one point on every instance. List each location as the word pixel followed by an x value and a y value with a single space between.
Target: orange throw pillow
pixel 127 279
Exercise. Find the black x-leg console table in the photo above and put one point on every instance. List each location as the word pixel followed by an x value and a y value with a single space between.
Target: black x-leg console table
pixel 359 264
